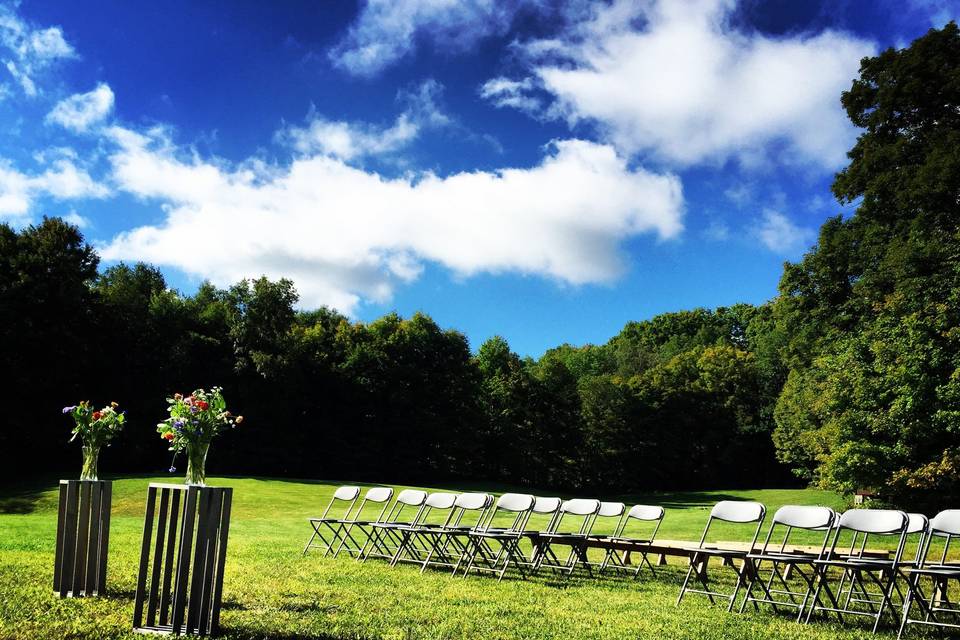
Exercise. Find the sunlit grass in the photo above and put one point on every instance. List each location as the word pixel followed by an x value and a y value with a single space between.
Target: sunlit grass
pixel 271 591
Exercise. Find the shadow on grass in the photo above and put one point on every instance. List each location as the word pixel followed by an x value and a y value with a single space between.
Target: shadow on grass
pixel 23 497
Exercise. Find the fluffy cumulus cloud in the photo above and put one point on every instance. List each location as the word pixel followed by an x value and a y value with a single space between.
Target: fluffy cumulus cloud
pixel 82 110
pixel 63 180
pixel 27 50
pixel 676 81
pixel 344 234
pixel 387 30
pixel 779 234
pixel 353 141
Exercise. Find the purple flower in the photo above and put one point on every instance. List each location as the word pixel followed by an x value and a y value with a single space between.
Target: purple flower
pixel 172 469
pixel 69 409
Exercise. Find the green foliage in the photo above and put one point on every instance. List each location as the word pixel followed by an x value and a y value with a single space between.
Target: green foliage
pixel 872 313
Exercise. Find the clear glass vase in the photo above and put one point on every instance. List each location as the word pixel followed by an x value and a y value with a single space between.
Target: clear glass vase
pixel 91 455
pixel 197 463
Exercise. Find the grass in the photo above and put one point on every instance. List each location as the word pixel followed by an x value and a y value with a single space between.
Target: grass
pixel 271 591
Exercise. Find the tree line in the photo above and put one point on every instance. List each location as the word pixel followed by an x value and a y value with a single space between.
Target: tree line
pixel 849 378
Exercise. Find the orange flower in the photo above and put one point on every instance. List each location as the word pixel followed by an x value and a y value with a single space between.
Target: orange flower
pixel 96 415
pixel 169 435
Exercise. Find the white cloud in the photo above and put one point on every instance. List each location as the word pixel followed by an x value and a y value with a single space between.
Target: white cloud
pixel 351 140
pixel 387 30
pixel 504 92
pixel 344 234
pixel 63 181
pixel 780 235
pixel 676 81
pixel 28 50
pixel 81 110
pixel 75 218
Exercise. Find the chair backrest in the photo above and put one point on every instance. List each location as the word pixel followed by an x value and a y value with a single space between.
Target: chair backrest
pixel 874 522
pixel 742 512
pixel 611 512
pixel 792 517
pixel 945 524
pixel 441 501
pixel 467 502
pixel 737 512
pixel 642 513
pixel 347 494
pixel 585 509
pixel 547 506
pixel 879 521
pixel 805 517
pixel 517 505
pixel 377 496
pixel 414 498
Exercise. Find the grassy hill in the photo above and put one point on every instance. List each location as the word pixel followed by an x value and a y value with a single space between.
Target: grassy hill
pixel 271 591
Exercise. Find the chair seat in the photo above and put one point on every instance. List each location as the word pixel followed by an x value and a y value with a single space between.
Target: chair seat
pixel 563 536
pixel 939 571
pixel 718 553
pixel 785 558
pixel 856 563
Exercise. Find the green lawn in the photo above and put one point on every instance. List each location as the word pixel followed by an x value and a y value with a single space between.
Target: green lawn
pixel 271 591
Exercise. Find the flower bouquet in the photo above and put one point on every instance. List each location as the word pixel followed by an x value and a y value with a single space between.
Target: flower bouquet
pixel 95 428
pixel 194 421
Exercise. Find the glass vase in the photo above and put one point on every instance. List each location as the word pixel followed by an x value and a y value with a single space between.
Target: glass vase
pixel 91 455
pixel 197 463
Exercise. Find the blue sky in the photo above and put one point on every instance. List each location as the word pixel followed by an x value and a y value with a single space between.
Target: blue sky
pixel 544 171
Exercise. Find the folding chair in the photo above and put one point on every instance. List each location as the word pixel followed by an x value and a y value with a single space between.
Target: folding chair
pixel 382 540
pixel 579 508
pixel 447 544
pixel 861 571
pixel 860 592
pixel 618 558
pixel 610 517
pixel 784 562
pixel 934 604
pixel 410 547
pixel 360 523
pixel 726 511
pixel 327 525
pixel 494 549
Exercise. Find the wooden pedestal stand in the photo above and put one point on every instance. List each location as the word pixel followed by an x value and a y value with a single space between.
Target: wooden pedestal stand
pixel 179 591
pixel 83 533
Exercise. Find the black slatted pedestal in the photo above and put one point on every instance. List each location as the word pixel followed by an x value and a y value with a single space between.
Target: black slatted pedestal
pixel 83 534
pixel 180 582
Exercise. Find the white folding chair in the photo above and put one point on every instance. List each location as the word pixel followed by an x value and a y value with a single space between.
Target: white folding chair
pixel 935 605
pixel 360 520
pixel 410 546
pixel 382 540
pixel 624 543
pixel 860 571
pixel 446 544
pixel 784 561
pixel 327 527
pixel 582 510
pixel 726 511
pixel 494 549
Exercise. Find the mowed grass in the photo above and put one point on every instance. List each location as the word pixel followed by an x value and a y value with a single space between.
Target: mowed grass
pixel 272 591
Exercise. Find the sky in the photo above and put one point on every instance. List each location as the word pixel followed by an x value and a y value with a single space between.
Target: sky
pixel 544 171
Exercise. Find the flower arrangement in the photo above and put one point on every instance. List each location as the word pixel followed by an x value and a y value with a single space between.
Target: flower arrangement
pixel 95 428
pixel 194 421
